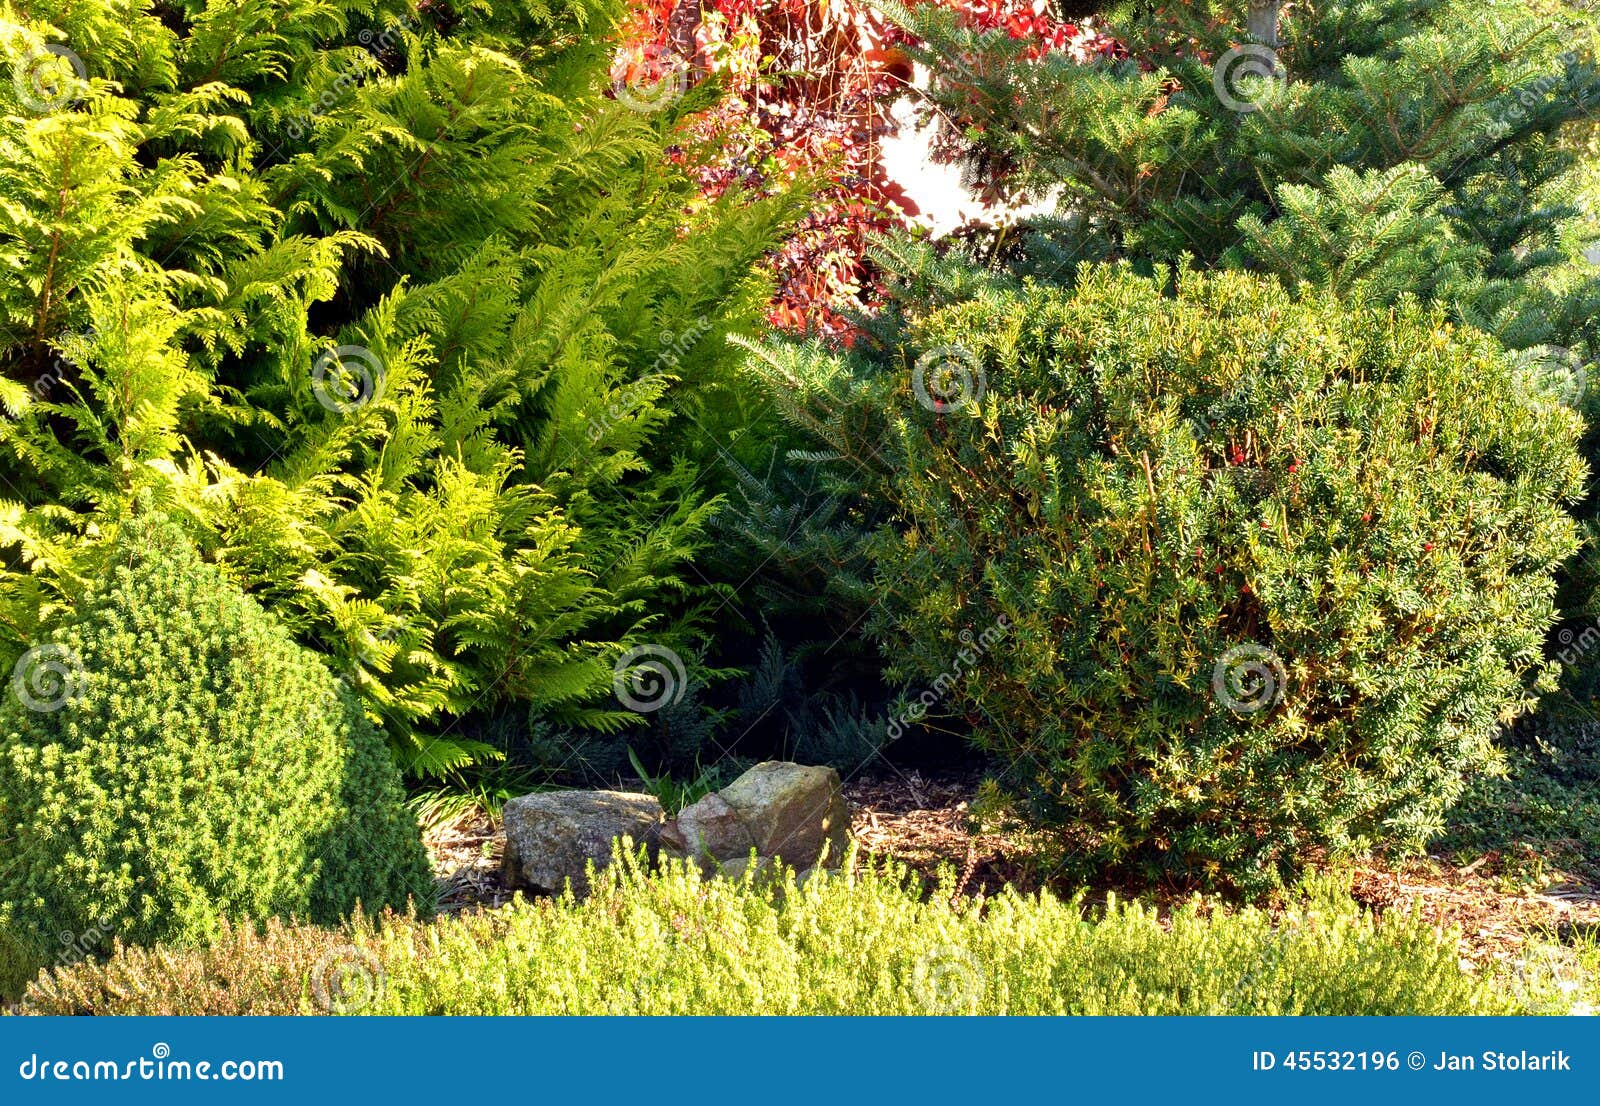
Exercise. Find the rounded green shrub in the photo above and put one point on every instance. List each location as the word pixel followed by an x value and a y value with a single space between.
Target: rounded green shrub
pixel 1219 574
pixel 171 758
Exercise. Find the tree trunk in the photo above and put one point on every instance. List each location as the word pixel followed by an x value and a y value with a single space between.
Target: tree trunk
pixel 1262 22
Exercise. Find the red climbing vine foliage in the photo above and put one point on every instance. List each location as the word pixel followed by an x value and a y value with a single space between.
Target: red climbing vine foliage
pixel 807 87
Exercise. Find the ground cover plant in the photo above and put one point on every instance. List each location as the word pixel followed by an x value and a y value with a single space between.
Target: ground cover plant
pixel 870 943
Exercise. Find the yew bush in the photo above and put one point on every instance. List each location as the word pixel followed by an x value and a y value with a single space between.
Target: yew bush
pixel 1272 572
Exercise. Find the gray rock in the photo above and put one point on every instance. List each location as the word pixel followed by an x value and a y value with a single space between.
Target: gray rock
pixel 708 830
pixel 792 810
pixel 780 810
pixel 552 836
pixel 735 868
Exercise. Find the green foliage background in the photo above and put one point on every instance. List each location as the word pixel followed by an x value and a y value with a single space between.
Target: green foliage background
pixel 524 299
pixel 1418 157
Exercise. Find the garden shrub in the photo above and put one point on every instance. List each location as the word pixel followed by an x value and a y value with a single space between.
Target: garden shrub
pixel 419 326
pixel 1433 148
pixel 1221 578
pixel 170 758
pixel 866 943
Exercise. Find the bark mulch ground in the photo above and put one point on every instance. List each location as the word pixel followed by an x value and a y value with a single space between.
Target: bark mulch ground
pixel 925 823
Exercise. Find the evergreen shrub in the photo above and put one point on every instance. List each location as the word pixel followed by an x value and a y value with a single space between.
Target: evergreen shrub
pixel 171 759
pixel 1271 571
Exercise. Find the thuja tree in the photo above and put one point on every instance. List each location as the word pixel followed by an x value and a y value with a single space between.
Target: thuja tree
pixel 1271 571
pixel 417 328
